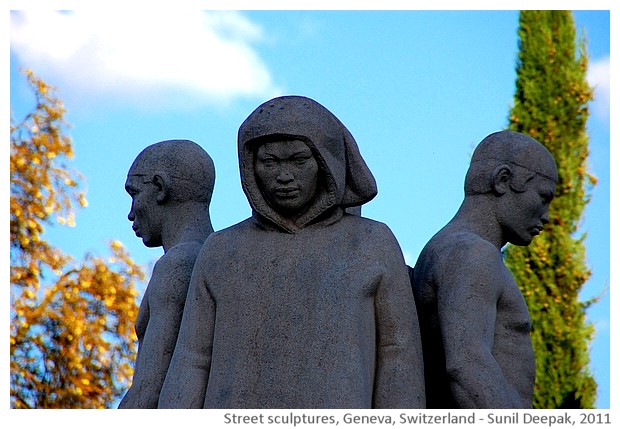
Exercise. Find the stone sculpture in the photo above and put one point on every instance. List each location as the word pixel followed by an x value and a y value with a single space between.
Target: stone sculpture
pixel 301 305
pixel 474 322
pixel 170 184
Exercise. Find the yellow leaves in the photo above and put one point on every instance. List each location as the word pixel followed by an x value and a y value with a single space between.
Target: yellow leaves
pixel 116 245
pixel 39 186
pixel 79 324
pixel 69 220
pixel 592 179
pixel 42 87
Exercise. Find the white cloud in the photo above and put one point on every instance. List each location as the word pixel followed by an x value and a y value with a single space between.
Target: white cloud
pixel 135 53
pixel 598 77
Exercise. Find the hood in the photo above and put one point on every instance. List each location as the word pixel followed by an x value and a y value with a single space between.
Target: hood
pixel 346 180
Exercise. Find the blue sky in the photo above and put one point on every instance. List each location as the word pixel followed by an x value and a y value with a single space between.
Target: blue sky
pixel 417 89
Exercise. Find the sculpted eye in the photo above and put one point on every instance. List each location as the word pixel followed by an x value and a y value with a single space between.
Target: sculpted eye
pixel 300 161
pixel 268 162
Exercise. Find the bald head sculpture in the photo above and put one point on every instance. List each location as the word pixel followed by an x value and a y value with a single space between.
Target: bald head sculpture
pixel 474 322
pixel 518 175
pixel 164 180
pixel 523 155
pixel 170 184
pixel 183 164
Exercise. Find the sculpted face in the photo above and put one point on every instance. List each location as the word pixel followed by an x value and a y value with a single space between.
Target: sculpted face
pixel 523 214
pixel 144 212
pixel 287 174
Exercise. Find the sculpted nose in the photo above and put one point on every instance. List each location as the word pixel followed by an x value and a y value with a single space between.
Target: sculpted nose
pixel 285 176
pixel 545 217
pixel 131 215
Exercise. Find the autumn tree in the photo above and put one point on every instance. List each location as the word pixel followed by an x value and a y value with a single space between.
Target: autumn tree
pixel 72 337
pixel 551 105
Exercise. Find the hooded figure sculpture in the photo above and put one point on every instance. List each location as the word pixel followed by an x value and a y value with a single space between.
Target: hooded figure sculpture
pixel 302 305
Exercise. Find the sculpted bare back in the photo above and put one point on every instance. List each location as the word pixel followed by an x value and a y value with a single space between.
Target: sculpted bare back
pixel 474 322
pixel 170 184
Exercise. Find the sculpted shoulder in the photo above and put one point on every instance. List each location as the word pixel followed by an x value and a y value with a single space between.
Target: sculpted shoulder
pixel 463 244
pixel 182 254
pixel 220 246
pixel 171 276
pixel 222 238
pixel 369 229
pixel 457 250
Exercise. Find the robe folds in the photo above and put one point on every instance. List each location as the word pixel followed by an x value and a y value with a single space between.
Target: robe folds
pixel 315 312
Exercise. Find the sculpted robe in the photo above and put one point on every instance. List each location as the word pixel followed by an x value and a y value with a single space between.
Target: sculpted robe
pixel 312 313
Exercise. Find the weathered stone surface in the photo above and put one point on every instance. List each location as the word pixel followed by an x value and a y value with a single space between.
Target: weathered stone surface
pixel 301 305
pixel 170 184
pixel 474 321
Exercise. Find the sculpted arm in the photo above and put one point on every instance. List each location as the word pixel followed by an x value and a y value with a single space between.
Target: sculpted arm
pixel 399 379
pixel 186 381
pixel 470 283
pixel 163 308
pixel 132 396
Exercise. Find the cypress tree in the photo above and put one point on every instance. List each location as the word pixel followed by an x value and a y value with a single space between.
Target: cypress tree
pixel 551 105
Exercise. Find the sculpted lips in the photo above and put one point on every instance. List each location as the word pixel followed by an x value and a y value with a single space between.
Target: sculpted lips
pixel 536 230
pixel 287 192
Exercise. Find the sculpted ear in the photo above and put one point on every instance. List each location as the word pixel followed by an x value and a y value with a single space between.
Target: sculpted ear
pixel 501 179
pixel 162 181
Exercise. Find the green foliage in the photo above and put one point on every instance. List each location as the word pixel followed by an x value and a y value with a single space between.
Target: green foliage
pixel 551 105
